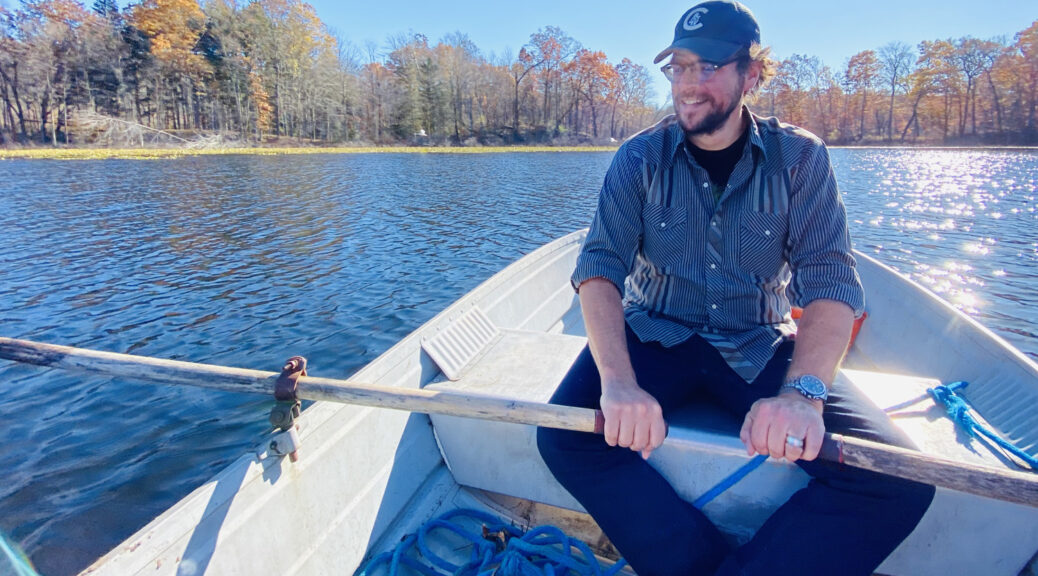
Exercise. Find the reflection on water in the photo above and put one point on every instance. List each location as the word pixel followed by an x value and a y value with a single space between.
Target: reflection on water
pixel 962 223
pixel 245 261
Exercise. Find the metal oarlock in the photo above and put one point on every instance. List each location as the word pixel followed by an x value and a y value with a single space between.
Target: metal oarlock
pixel 285 444
pixel 283 415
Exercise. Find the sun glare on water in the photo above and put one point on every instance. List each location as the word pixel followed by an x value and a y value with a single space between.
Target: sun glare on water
pixel 959 222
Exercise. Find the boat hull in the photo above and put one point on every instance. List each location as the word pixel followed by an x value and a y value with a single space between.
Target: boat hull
pixel 367 476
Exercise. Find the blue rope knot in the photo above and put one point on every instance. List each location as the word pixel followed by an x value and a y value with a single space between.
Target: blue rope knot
pixel 955 406
pixel 959 411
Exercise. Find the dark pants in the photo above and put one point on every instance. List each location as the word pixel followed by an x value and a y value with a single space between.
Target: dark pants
pixel 846 521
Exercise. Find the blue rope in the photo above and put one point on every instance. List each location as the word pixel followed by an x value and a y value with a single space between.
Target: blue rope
pixel 959 411
pixel 543 551
pixel 730 481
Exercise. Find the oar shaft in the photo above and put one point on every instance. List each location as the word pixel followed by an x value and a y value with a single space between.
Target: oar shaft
pixel 451 403
pixel 310 388
pixel 984 481
pixel 1008 485
pixel 128 366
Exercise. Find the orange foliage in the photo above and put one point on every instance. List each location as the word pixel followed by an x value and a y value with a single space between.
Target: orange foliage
pixel 264 111
pixel 595 76
pixel 594 79
pixel 174 27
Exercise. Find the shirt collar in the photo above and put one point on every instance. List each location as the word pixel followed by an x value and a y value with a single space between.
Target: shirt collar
pixel 677 137
pixel 755 139
pixel 678 134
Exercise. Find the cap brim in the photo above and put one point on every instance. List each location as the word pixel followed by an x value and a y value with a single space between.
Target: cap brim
pixel 705 48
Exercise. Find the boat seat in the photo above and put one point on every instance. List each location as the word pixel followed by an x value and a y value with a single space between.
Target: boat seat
pixel 503 458
pixel 906 401
pixel 702 447
pixel 497 456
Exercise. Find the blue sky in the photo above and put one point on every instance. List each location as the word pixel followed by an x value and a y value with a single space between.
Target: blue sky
pixel 831 30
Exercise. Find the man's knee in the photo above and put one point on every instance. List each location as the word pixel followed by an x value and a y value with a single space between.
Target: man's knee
pixel 550 445
pixel 546 442
pixel 916 498
pixel 568 453
pixel 902 503
pixel 912 498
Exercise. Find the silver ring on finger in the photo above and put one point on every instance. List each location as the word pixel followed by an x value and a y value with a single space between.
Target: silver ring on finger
pixel 794 442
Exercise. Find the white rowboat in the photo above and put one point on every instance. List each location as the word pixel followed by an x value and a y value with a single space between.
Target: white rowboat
pixel 368 476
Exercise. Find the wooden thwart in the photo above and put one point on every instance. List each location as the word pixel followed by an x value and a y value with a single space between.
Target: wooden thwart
pixel 985 481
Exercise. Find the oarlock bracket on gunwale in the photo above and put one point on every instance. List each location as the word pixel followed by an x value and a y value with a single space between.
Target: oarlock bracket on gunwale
pixel 283 415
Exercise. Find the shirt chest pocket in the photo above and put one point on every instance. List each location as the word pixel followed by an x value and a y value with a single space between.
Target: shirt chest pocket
pixel 762 239
pixel 664 233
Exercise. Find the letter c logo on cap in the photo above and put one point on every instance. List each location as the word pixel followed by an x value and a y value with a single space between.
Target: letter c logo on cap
pixel 692 22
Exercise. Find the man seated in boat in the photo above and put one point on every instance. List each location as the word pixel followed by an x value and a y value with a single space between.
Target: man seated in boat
pixel 708 224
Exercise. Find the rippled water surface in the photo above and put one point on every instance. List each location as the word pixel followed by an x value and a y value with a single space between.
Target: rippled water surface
pixel 245 261
pixel 961 223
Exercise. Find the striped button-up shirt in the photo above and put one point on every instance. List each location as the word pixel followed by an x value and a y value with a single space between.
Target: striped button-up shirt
pixel 725 269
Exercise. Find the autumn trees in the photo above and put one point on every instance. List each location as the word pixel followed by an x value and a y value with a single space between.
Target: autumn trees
pixel 268 70
pixel 49 53
pixel 259 70
pixel 957 91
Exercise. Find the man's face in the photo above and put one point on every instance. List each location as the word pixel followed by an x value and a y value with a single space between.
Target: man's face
pixel 703 107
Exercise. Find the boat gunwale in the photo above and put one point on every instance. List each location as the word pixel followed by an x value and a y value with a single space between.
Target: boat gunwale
pixel 946 306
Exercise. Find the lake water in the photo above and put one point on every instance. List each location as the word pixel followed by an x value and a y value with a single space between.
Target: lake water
pixel 246 261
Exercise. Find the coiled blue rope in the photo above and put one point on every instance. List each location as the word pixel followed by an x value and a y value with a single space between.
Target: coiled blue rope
pixel 542 551
pixel 959 411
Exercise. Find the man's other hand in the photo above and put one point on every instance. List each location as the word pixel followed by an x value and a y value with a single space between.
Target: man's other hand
pixel 633 418
pixel 785 426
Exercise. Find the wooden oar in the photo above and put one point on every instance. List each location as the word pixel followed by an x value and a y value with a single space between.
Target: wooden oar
pixel 985 481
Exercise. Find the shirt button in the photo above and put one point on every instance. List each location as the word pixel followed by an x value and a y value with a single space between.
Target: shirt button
pixel 664 225
pixel 712 266
pixel 767 232
pixel 713 223
pixel 706 184
pixel 714 306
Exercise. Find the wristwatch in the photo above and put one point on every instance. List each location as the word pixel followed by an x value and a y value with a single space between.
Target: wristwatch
pixel 809 386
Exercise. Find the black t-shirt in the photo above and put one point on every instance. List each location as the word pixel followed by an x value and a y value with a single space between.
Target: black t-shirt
pixel 719 163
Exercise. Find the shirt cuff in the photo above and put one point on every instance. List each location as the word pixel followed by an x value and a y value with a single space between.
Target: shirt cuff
pixel 590 266
pixel 850 294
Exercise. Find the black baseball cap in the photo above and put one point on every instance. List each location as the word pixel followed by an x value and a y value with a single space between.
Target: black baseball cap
pixel 715 31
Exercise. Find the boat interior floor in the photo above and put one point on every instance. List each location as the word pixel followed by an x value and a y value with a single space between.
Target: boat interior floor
pixel 441 494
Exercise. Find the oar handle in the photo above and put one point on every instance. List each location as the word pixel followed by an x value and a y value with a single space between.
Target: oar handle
pixel 981 480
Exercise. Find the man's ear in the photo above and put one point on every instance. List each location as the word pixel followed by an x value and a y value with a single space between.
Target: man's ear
pixel 752 77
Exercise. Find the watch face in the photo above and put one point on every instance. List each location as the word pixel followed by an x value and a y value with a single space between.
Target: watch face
pixel 812 385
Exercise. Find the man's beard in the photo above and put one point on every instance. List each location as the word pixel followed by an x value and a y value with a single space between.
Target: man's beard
pixel 712 122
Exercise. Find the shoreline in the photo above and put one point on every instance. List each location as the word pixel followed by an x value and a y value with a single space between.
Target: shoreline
pixel 163 153
pixel 158 153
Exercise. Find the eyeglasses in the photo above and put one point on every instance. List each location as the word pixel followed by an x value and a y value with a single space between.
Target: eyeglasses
pixel 703 70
